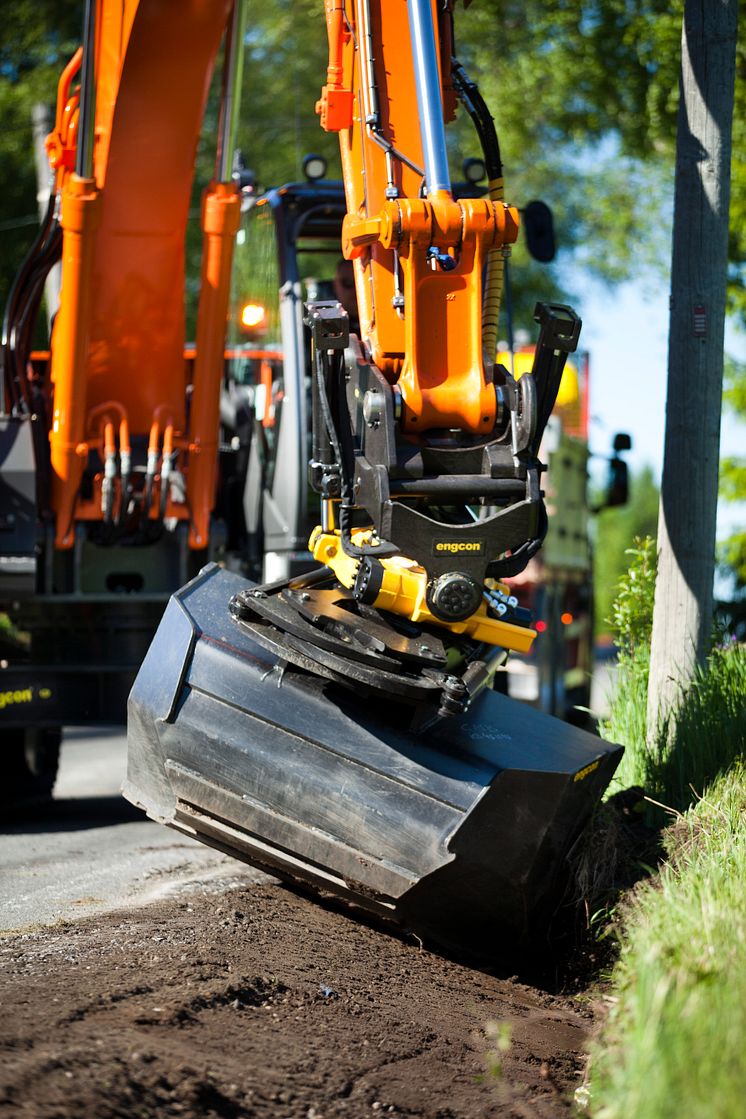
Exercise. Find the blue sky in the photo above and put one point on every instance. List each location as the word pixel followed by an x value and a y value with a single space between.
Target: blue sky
pixel 625 330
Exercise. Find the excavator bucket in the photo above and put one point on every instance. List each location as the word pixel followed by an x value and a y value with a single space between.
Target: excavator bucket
pixel 459 833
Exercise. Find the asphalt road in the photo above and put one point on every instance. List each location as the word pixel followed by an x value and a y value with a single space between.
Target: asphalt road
pixel 90 851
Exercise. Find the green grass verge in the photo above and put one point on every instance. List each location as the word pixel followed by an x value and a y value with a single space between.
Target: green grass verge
pixel 708 730
pixel 675 1039
pixel 708 736
pixel 627 716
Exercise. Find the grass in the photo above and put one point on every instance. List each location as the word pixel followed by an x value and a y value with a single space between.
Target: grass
pixel 708 730
pixel 673 1044
pixel 626 723
pixel 674 1041
pixel 708 735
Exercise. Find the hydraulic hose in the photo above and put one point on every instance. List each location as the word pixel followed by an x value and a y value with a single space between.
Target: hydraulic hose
pixel 23 299
pixel 347 495
pixel 476 107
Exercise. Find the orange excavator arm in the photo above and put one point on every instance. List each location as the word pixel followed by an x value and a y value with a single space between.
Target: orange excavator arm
pixel 419 253
pixel 123 151
pixel 441 449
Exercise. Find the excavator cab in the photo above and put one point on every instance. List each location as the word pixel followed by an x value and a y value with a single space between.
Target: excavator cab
pixel 286 252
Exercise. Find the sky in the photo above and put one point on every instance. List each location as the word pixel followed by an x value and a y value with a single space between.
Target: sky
pixel 625 331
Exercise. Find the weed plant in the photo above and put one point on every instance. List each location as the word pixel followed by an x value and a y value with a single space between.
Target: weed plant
pixel 632 622
pixel 673 1044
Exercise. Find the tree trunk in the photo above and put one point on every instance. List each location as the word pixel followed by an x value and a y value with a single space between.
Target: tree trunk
pixel 682 616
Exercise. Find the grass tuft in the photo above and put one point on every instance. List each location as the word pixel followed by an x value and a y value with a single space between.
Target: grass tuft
pixel 709 733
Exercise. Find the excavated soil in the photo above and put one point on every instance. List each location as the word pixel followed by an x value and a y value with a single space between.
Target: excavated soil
pixel 260 1002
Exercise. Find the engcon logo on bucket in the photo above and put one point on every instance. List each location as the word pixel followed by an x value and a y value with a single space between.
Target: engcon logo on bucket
pixel 20 695
pixel 456 547
pixel 586 770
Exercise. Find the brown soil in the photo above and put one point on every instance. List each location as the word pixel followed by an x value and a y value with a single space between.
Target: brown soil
pixel 260 1002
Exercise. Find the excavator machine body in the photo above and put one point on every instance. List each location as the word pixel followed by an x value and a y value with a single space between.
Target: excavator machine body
pixel 337 726
pixel 341 727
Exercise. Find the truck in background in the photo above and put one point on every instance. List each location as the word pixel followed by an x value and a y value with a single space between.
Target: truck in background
pixel 557 585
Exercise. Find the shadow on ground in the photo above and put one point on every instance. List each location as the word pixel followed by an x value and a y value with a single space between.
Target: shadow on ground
pixel 71 814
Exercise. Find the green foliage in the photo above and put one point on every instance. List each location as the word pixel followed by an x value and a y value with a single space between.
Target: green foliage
pixel 631 618
pixel 499 1038
pixel 733 478
pixel 709 733
pixel 582 96
pixel 732 552
pixel 604 75
pixel 632 610
pixel 615 530
pixel 36 41
pixel 284 70
pixel 627 719
pixel 707 736
pixel 734 393
pixel 673 1043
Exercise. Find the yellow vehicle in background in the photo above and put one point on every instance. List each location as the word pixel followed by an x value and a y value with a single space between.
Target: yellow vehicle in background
pixel 557 585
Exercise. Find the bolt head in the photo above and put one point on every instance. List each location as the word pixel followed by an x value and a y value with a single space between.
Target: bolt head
pixel 373 407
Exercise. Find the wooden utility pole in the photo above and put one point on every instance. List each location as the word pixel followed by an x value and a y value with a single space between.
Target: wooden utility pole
pixel 682 617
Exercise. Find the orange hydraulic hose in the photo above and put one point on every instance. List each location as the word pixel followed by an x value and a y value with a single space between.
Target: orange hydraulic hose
pixel 60 143
pixel 125 466
pixel 110 472
pixel 153 439
pixel 168 440
pixel 335 24
pixel 166 465
pixel 493 291
pixel 335 105
pixel 124 438
pixel 103 411
pixel 110 447
pixel 266 380
pixel 221 215
pixel 151 466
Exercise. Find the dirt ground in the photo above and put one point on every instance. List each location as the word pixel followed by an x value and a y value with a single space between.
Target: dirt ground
pixel 232 996
pixel 260 1002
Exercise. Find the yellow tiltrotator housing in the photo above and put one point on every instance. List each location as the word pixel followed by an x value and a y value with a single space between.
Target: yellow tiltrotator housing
pixel 403 590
